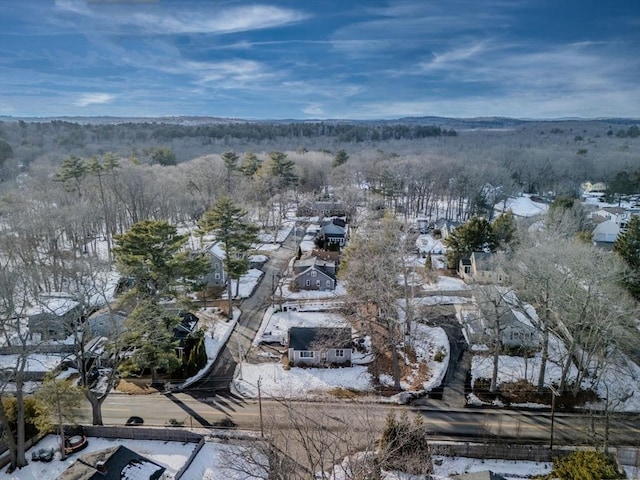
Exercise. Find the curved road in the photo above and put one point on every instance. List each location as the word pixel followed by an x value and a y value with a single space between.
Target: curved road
pixel 217 381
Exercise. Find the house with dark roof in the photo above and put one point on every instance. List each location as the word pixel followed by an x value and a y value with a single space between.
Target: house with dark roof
pixel 332 234
pixel 312 273
pixel 115 463
pixel 55 316
pixel 319 346
pixel 321 209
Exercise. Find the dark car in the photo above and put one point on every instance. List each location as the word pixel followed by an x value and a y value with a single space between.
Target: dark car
pixel 133 421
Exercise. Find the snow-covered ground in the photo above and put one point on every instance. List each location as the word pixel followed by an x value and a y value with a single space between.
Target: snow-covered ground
pixel 618 382
pixel 171 455
pixel 522 206
pixel 279 381
pixel 248 283
pixel 223 461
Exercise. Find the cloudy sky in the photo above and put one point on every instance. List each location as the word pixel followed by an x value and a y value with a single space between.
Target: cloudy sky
pixel 320 58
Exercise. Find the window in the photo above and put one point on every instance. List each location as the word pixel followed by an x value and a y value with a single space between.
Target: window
pixel 339 352
pixel 313 273
pixel 317 283
pixel 217 275
pixel 307 283
pixel 307 354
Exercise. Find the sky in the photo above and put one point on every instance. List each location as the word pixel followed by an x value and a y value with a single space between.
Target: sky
pixel 320 59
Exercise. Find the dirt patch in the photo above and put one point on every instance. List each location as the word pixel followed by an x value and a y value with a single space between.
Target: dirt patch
pixel 412 372
pixel 136 386
pixel 525 392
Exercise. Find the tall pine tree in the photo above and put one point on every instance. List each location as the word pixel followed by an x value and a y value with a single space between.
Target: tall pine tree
pixel 152 254
pixel 236 234
pixel 627 246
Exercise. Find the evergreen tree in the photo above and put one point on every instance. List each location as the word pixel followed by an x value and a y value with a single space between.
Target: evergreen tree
pixel 250 165
pixel 627 246
pixel 71 172
pixel 230 160
pixel 151 253
pixel 163 156
pixel 149 333
pixel 340 158
pixel 6 151
pixel 236 234
pixel 504 230
pixel 281 170
pixel 473 236
pixel 584 465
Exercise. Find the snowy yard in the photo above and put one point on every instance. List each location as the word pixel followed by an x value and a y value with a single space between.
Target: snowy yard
pixel 171 455
pixel 279 381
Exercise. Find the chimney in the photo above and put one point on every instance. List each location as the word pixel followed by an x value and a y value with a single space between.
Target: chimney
pixel 101 466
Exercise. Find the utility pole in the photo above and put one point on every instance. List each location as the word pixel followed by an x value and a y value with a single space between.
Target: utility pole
pixel 260 408
pixel 554 394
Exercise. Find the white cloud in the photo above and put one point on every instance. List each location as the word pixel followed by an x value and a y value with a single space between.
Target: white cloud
pixel 93 98
pixel 150 17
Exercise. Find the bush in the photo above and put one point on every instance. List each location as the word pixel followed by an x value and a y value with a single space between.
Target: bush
pixel 440 355
pixel 30 414
pixel 584 465
pixel 404 445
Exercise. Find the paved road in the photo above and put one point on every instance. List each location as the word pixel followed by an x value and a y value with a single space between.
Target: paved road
pixel 253 308
pixel 459 423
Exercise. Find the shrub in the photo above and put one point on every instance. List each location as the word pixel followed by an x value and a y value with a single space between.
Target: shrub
pixel 404 445
pixel 584 465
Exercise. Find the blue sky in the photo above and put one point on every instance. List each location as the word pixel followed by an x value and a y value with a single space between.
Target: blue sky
pixel 360 59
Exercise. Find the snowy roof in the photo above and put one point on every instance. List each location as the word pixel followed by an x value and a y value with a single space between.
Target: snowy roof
pixel 55 305
pixel 217 250
pixel 606 231
pixel 119 463
pixel 522 207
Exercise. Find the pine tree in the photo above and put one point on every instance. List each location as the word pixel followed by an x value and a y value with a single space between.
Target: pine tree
pixel 71 173
pixel 236 234
pixel 151 253
pixel 475 235
pixel 149 333
pixel 230 160
pixel 340 158
pixel 250 165
pixel 282 170
pixel 627 246
pixel 504 230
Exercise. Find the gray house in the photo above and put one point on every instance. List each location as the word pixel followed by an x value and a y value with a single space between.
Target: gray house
pixel 333 233
pixel 517 321
pixel 321 209
pixel 217 276
pixel 320 346
pixel 312 273
pixel 55 317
